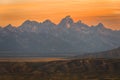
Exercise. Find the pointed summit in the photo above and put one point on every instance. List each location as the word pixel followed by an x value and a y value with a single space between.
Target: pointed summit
pixel 66 22
pixel 47 21
pixel 9 26
pixel 27 22
pixel 79 22
pixel 67 19
pixel 29 26
pixel 100 25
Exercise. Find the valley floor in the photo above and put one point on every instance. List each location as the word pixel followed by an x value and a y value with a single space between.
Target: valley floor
pixel 77 69
pixel 34 59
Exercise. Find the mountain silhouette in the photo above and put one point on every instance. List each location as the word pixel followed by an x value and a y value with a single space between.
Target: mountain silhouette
pixel 47 38
pixel 110 54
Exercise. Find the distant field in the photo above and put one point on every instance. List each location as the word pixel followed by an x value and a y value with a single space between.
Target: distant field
pixel 45 59
pixel 75 69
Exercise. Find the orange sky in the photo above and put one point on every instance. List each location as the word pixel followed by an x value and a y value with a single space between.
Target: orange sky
pixel 89 11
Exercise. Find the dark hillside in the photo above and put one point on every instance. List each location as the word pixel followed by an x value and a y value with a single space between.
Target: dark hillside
pixel 80 69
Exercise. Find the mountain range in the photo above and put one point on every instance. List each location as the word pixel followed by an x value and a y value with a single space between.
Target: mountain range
pixel 33 38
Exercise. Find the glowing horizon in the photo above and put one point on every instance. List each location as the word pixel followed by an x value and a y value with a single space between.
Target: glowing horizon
pixel 90 12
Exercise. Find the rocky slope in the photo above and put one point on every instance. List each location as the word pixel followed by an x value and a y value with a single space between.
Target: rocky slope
pixel 111 54
pixel 66 38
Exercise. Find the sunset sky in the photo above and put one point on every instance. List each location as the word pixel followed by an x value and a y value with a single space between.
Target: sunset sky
pixel 91 12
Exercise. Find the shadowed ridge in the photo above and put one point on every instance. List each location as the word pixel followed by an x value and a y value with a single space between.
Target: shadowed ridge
pixel 110 54
pixel 66 22
pixel 100 25
pixel 8 26
pixel 29 22
pixel 48 22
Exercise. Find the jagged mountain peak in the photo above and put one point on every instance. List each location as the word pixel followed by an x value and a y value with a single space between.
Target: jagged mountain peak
pixel 29 26
pixel 47 21
pixel 67 36
pixel 66 22
pixel 100 25
pixel 29 22
pixel 9 26
pixel 67 19
pixel 79 22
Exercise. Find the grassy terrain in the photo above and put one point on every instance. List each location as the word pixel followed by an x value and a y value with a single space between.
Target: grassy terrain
pixel 78 69
pixel 34 59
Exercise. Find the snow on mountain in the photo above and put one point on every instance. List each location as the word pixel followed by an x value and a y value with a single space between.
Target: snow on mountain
pixel 66 37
